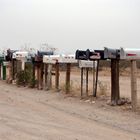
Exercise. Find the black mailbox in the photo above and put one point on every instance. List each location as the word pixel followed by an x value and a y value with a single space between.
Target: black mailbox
pixel 41 53
pixel 9 54
pixel 82 55
pixel 110 53
pixel 94 55
pixel 101 52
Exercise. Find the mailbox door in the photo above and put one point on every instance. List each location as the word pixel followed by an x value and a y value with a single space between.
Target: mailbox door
pixel 110 53
pixel 82 55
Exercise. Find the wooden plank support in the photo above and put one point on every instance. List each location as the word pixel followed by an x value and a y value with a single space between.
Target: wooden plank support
pixel 45 76
pixel 93 77
pixel 115 91
pixel 40 76
pixel 96 80
pixel 49 77
pixel 82 82
pixel 68 69
pixel 87 70
pixel 134 84
pixel 57 76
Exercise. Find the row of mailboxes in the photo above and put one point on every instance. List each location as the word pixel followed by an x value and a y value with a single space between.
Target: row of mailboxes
pixel 53 59
pixel 108 53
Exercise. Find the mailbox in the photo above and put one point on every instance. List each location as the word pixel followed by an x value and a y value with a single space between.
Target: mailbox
pixel 50 59
pixel 94 55
pixel 111 53
pixel 53 59
pixel 20 55
pixel 41 53
pixel 67 59
pixel 101 52
pixel 82 55
pixel 9 55
pixel 129 53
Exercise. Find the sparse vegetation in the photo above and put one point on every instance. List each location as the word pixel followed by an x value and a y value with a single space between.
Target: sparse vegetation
pixel 102 88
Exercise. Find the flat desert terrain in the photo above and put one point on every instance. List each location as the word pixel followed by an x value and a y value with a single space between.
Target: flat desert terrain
pixel 31 114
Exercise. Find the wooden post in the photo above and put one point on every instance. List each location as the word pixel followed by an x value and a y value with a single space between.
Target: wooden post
pixel 33 75
pixel 82 82
pixel 49 77
pixel 93 77
pixel 23 65
pixel 115 92
pixel 96 80
pixel 38 78
pixel 45 76
pixel 40 72
pixel 13 69
pixel 68 78
pixel 86 82
pixel 0 71
pixel 134 84
pixel 10 73
pixel 57 76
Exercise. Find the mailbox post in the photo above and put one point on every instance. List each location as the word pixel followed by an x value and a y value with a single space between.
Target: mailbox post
pixel 114 55
pixel 95 56
pixel 85 65
pixel 132 55
pixel 63 59
pixel 88 56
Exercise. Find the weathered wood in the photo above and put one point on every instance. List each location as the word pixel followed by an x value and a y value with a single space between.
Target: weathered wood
pixel 115 92
pixel 40 72
pixel 93 77
pixel 0 71
pixel 96 80
pixel 86 94
pixel 45 76
pixel 49 77
pixel 38 76
pixel 57 76
pixel 82 82
pixel 68 78
pixel 23 65
pixel 134 84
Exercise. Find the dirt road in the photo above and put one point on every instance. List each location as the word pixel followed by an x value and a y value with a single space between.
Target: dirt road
pixel 30 114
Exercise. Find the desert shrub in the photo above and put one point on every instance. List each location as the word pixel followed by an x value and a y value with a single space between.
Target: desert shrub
pixel 102 88
pixel 25 77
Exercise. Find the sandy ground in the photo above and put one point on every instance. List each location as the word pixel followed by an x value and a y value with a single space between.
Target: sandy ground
pixel 30 114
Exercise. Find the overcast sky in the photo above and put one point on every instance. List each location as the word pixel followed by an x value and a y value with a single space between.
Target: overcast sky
pixel 70 24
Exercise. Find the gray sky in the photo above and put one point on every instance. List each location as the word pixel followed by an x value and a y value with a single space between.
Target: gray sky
pixel 70 24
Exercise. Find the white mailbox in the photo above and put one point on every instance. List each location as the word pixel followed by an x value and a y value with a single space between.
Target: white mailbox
pixel 129 54
pixel 53 59
pixel 67 59
pixel 50 59
pixel 87 64
pixel 21 55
